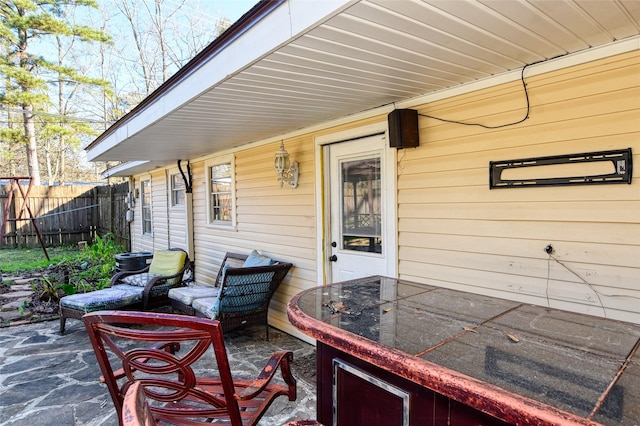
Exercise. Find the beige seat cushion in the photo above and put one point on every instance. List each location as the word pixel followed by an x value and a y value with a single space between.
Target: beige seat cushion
pixel 187 295
pixel 206 305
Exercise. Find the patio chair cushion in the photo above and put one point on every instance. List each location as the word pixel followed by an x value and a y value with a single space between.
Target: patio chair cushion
pixel 140 280
pixel 205 306
pixel 257 259
pixel 168 262
pixel 109 298
pixel 187 295
pixel 156 290
pixel 240 293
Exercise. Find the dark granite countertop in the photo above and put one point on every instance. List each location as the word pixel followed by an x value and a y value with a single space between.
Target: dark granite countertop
pixel 546 360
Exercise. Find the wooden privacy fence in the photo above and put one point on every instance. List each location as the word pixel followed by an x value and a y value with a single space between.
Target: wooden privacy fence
pixel 66 215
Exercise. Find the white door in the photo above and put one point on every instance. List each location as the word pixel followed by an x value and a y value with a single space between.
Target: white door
pixel 359 213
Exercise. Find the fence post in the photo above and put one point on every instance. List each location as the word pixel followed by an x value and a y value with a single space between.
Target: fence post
pixel 95 215
pixel 16 210
pixel 112 210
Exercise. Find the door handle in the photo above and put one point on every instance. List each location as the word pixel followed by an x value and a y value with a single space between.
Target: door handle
pixel 333 258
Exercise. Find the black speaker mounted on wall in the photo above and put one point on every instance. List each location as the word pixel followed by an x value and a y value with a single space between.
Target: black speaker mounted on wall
pixel 403 128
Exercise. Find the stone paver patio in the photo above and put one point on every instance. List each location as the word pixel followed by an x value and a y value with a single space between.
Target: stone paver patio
pixel 49 379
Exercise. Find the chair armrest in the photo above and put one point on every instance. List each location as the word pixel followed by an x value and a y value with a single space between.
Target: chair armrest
pixel 280 359
pixel 157 281
pixel 120 275
pixel 160 280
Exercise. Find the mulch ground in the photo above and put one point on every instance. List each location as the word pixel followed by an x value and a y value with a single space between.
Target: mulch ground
pixel 21 301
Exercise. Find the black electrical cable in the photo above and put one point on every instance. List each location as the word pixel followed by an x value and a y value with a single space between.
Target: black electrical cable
pixel 526 94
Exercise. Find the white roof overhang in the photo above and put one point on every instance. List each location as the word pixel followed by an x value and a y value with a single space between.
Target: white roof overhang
pixel 298 63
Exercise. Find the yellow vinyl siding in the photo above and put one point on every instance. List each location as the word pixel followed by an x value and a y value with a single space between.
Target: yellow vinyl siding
pixel 140 242
pixel 455 232
pixel 177 232
pixel 159 211
pixel 280 222
pixel 209 243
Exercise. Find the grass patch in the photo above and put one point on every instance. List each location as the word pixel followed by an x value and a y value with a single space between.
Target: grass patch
pixel 14 261
pixel 69 271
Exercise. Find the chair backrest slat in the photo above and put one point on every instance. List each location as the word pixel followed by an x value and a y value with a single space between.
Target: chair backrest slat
pixel 231 260
pixel 167 377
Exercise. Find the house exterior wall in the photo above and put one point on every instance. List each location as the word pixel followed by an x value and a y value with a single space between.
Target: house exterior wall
pixel 177 216
pixel 140 241
pixel 452 229
pixel 279 222
pixel 455 232
pixel 160 207
pixel 160 237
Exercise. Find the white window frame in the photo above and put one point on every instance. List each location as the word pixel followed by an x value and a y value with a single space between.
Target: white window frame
pixel 142 206
pixel 227 159
pixel 175 174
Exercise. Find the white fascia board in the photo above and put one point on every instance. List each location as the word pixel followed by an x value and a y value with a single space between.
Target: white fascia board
pixel 120 134
pixel 124 169
pixel 308 14
pixel 281 26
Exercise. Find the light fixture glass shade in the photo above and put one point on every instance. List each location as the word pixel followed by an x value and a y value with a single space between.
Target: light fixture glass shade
pixel 287 171
pixel 281 161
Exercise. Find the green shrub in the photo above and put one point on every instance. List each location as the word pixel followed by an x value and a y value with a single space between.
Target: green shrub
pixel 92 268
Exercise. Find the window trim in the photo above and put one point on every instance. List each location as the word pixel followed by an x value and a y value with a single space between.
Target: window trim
pixel 171 174
pixel 227 159
pixel 142 206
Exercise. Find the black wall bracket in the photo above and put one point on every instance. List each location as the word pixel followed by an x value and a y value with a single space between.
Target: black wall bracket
pixel 618 162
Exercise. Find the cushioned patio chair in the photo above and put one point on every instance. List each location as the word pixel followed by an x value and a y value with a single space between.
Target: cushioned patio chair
pixel 241 295
pixel 176 393
pixel 144 289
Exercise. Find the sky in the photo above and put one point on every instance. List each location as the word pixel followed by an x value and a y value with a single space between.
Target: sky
pixel 232 9
pixel 206 11
pixel 212 9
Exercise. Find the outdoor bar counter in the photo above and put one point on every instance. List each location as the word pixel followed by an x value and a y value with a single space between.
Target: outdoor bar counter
pixel 393 352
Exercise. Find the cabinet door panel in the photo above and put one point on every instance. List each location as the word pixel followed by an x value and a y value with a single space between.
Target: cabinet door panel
pixel 360 398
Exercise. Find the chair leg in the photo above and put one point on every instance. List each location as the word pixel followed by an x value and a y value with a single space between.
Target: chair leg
pixel 63 321
pixel 267 329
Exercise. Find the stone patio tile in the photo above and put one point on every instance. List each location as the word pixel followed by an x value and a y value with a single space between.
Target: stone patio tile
pixel 63 416
pixel 48 379
pixel 12 295
pixel 28 391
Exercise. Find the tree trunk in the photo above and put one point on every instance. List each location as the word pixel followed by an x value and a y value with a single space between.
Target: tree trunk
pixel 28 118
pixel 32 148
pixel 47 161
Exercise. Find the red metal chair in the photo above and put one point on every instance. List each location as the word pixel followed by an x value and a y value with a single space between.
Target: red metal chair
pixel 135 409
pixel 159 351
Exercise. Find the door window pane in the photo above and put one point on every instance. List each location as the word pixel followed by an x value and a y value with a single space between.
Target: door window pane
pixel 361 205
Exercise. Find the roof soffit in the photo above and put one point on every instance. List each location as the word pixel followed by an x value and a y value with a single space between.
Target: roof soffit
pixel 369 53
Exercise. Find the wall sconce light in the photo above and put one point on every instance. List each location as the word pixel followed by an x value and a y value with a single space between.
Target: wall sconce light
pixel 287 170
